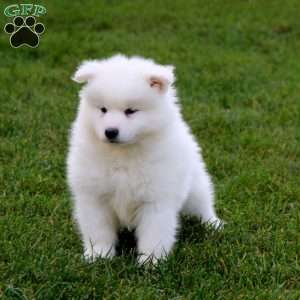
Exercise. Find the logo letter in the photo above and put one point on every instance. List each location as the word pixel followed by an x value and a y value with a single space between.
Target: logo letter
pixel 26 9
pixel 39 10
pixel 12 10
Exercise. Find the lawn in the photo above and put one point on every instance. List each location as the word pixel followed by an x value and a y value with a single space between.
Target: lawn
pixel 238 77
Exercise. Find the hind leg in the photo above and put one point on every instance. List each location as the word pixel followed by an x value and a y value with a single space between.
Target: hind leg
pixel 200 202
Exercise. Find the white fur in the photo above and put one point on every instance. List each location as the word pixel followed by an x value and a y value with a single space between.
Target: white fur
pixel 150 176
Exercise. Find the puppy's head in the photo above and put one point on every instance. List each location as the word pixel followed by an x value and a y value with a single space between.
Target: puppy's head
pixel 127 99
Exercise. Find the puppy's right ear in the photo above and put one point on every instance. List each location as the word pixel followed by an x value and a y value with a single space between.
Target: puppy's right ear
pixel 162 78
pixel 86 71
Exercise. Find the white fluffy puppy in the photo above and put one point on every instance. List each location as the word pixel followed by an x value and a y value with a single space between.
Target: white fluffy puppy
pixel 132 160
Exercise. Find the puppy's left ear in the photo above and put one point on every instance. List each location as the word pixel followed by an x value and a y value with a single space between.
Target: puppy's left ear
pixel 86 71
pixel 162 79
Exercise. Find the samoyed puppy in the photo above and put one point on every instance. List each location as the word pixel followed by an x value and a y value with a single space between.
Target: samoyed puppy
pixel 132 160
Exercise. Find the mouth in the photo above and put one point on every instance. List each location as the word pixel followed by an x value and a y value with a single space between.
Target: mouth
pixel 118 143
pixel 113 142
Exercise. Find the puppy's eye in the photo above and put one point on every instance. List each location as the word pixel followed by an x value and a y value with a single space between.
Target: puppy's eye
pixel 103 109
pixel 130 111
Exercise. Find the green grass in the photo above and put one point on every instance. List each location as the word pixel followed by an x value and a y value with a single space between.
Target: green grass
pixel 238 76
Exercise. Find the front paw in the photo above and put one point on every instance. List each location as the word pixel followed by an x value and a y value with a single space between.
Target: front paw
pixel 91 254
pixel 216 223
pixel 147 260
pixel 151 259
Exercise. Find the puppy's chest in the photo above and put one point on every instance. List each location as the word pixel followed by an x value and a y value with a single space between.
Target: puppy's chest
pixel 129 186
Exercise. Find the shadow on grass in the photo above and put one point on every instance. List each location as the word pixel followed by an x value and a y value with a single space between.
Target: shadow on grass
pixel 190 231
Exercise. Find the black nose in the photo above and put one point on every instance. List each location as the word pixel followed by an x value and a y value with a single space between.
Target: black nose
pixel 111 133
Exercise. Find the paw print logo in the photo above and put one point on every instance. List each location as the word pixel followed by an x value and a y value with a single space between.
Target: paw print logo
pixel 24 31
